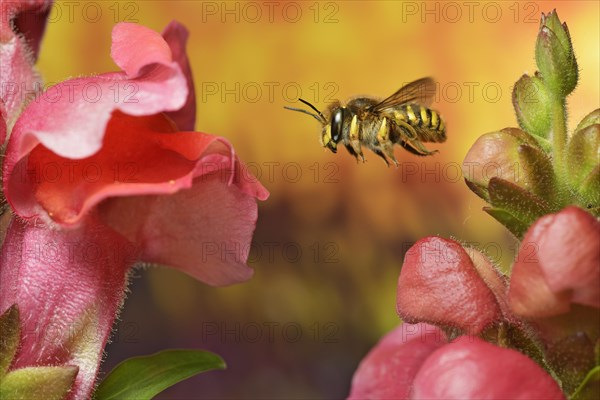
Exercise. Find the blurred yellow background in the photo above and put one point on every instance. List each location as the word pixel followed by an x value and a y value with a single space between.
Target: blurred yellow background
pixel 330 241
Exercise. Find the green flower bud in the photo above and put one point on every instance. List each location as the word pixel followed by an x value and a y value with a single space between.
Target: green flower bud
pixel 531 101
pixel 555 57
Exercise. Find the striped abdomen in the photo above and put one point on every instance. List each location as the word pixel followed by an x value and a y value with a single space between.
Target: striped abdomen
pixel 428 124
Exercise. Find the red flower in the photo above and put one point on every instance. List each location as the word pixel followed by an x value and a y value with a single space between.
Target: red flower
pixel 389 369
pixel 552 310
pixel 558 265
pixel 470 368
pixel 101 177
pixel 417 362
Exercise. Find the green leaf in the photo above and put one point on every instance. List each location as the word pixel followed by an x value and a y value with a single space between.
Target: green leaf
pixel 142 378
pixel 523 205
pixel 10 333
pixel 590 386
pixel 513 224
pixel 48 383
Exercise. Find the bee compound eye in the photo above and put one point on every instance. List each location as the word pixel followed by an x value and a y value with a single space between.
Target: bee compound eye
pixel 337 125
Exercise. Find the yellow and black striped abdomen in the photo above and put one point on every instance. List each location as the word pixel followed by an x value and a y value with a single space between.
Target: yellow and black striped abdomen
pixel 427 123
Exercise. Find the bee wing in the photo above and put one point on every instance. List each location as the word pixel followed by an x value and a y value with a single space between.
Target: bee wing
pixel 421 91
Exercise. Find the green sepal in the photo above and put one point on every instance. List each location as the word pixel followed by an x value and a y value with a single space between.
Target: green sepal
pixel 479 190
pixel 540 173
pixel 523 136
pixel 590 188
pixel 512 223
pixel 583 154
pixel 590 119
pixel 519 202
pixel 142 378
pixel 526 138
pixel 10 333
pixel 531 102
pixel 48 383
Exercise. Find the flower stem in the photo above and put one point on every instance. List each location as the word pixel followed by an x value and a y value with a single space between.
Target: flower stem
pixel 559 137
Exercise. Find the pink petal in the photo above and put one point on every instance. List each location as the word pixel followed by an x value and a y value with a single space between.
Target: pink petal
pixel 3 129
pixel 135 47
pixel 497 282
pixel 24 18
pixel 471 368
pixel 387 372
pixel 558 264
pixel 70 118
pixel 69 286
pixel 440 285
pixel 176 36
pixel 18 79
pixel 205 229
pixel 139 156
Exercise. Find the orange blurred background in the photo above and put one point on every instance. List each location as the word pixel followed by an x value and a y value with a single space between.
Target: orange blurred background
pixel 330 240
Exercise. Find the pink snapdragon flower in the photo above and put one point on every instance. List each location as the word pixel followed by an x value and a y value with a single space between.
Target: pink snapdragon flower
pixel 549 306
pixel 418 362
pixel 104 172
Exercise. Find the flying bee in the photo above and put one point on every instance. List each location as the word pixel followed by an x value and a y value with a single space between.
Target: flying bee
pixel 404 118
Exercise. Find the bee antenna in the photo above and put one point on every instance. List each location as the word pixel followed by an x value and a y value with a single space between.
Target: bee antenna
pixel 315 116
pixel 314 108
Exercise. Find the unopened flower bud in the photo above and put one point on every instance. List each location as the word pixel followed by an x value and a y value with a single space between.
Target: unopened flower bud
pixel 554 55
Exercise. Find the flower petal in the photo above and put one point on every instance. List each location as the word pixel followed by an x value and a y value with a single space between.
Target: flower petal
pixel 471 368
pixel 70 118
pixel 440 285
pixel 135 47
pixel 68 286
pixel 18 79
pixel 558 264
pixel 388 370
pixel 24 18
pixel 204 230
pixel 139 156
pixel 3 129
pixel 176 36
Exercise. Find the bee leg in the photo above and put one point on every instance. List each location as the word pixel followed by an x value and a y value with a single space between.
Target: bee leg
pixel 383 137
pixel 388 150
pixel 380 154
pixel 417 148
pixel 355 139
pixel 352 152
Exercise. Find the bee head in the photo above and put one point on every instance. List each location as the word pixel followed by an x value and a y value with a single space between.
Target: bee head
pixel 332 133
pixel 326 139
